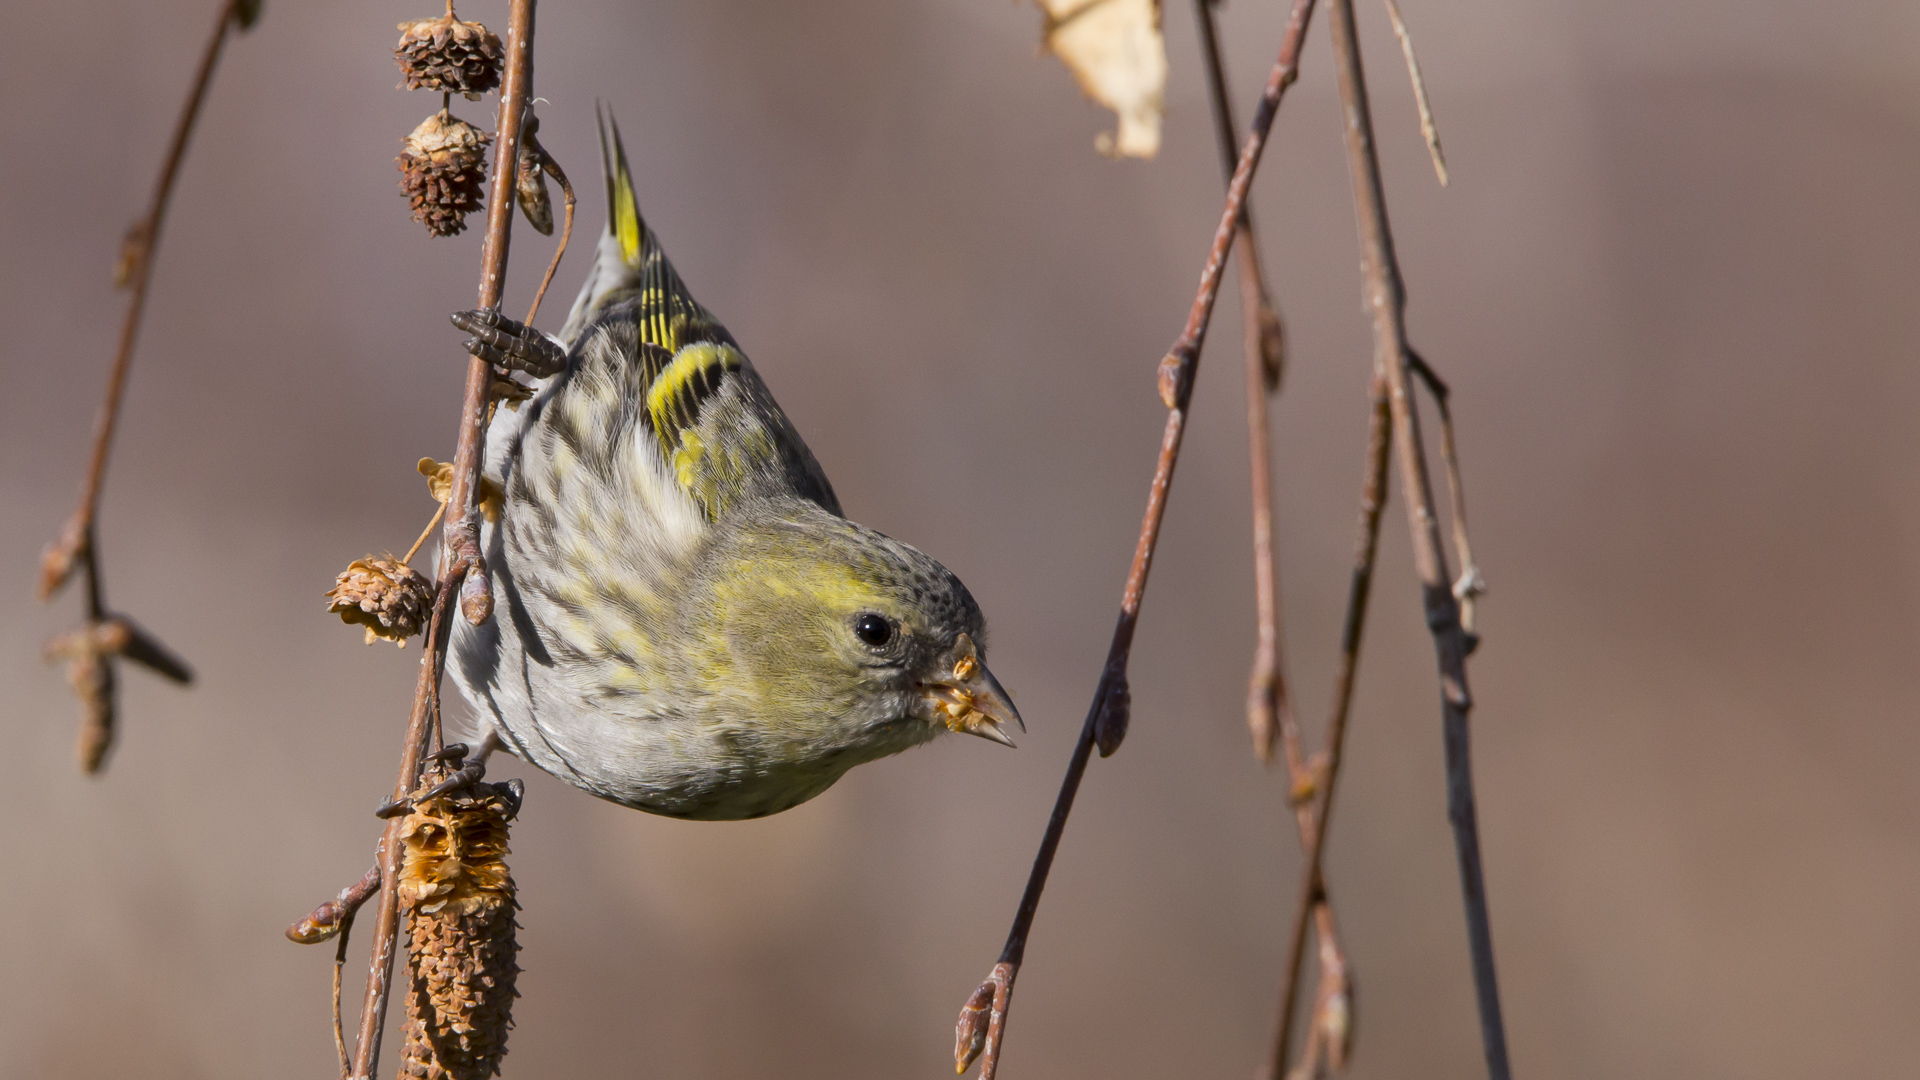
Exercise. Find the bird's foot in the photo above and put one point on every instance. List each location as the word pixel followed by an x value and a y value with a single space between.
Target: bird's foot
pixel 452 771
pixel 506 343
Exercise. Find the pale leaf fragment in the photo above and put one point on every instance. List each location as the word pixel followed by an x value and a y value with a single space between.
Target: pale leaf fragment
pixel 1116 53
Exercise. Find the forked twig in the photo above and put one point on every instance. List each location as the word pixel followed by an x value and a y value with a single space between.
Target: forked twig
pixel 1470 585
pixel 1269 706
pixel 461 569
pixel 1269 711
pixel 1314 811
pixel 980 1031
pixel 77 546
pixel 1386 300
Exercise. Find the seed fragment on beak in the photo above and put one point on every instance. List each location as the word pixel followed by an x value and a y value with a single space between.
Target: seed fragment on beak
pixel 971 700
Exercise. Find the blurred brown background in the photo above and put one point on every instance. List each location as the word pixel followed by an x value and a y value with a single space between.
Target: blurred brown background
pixel 1672 285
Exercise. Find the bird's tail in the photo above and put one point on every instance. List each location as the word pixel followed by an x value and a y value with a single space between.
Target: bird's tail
pixel 620 257
pixel 630 265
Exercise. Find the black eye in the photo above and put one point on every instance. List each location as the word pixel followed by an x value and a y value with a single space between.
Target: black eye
pixel 873 629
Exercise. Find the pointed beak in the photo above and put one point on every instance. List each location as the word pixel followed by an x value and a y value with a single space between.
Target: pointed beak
pixel 971 700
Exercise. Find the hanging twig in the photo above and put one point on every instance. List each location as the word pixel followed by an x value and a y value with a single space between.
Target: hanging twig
pixel 982 1023
pixel 1386 301
pixel 461 568
pixel 1469 586
pixel 78 545
pixel 1269 706
pixel 1428 129
pixel 1313 811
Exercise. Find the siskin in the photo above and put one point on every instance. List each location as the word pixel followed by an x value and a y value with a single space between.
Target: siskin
pixel 686 623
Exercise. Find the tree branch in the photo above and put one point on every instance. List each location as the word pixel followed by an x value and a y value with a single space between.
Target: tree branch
pixel 980 1031
pixel 461 567
pixel 77 546
pixel 1386 301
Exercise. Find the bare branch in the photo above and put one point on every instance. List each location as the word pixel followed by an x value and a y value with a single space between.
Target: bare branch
pixel 1177 371
pixel 461 570
pixel 1386 301
pixel 77 546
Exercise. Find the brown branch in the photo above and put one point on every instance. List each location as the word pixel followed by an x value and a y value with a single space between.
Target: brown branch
pixel 1312 811
pixel 461 567
pixel 1386 301
pixel 77 546
pixel 1106 715
pixel 1269 706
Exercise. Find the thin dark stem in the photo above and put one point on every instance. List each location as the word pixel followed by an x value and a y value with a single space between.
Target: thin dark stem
pixel 1386 301
pixel 1105 716
pixel 1373 493
pixel 460 559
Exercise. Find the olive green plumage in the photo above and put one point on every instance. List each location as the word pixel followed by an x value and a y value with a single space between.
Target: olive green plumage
pixel 685 623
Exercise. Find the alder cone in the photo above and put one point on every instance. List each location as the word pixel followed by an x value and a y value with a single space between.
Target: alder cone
pixel 389 598
pixel 459 904
pixel 448 55
pixel 443 171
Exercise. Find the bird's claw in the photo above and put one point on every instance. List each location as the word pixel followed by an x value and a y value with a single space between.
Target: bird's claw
pixel 464 774
pixel 507 343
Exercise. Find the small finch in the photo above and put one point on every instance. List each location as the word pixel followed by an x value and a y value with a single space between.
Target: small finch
pixel 685 622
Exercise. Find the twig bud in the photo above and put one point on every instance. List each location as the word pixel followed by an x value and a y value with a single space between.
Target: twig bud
pixel 59 557
pixel 1116 713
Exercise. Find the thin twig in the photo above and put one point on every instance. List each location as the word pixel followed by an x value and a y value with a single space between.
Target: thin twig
pixel 552 168
pixel 1386 301
pixel 339 1025
pixel 78 546
pixel 1313 812
pixel 983 1036
pixel 1269 706
pixel 1469 586
pixel 460 558
pixel 1428 129
pixel 438 513
pixel 1269 709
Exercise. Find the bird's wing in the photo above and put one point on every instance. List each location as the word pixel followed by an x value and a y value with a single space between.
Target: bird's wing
pixel 658 386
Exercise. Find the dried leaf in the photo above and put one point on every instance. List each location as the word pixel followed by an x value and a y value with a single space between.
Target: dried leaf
pixel 1115 50
pixel 439 476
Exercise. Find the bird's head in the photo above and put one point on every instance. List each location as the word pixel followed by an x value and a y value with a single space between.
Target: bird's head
pixel 873 636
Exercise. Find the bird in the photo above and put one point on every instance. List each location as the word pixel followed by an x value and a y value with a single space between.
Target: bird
pixel 685 622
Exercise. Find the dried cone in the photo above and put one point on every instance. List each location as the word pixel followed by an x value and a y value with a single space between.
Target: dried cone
pixel 391 599
pixel 458 898
pixel 443 171
pixel 448 55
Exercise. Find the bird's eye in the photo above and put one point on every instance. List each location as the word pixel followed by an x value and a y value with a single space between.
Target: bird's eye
pixel 873 629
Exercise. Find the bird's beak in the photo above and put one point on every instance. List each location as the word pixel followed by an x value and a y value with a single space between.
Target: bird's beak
pixel 970 699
